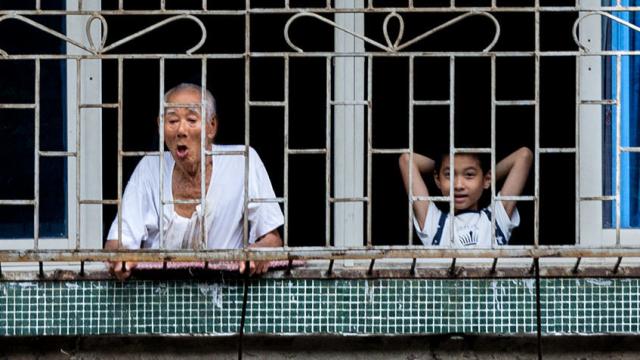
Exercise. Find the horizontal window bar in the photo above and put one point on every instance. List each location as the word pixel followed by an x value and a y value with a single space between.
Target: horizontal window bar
pixel 306 151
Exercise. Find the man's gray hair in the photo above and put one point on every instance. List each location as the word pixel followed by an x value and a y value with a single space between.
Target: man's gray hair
pixel 209 102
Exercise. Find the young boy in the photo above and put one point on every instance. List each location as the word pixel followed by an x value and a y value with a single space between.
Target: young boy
pixel 470 178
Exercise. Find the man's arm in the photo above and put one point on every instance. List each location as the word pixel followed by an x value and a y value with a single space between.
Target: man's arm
pixel 271 239
pixel 421 165
pixel 515 168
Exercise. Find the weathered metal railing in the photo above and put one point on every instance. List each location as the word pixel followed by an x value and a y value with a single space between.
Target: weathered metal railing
pixel 97 49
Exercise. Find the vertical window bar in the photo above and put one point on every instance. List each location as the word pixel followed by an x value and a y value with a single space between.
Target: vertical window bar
pixel 78 150
pixel 493 152
pixel 577 153
pixel 618 141
pixel 536 166
pixel 36 156
pixel 369 144
pixel 161 153
pixel 120 135
pixel 120 4
pixel 452 105
pixel 327 163
pixel 38 6
pixel 163 5
pixel 120 150
pixel 205 5
pixel 286 152
pixel 203 151
pixel 411 119
pixel 247 122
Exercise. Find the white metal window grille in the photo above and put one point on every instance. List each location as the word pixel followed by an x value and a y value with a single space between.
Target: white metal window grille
pixel 349 149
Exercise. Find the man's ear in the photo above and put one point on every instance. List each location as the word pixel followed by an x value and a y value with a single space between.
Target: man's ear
pixel 213 127
pixel 487 180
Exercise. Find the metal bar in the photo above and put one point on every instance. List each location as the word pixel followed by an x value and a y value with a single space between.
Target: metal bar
pixel 78 150
pixel 99 202
pixel 575 268
pixel 430 102
pixel 204 119
pixel 494 266
pixel 286 152
pixel 598 198
pixel 618 145
pixel 494 103
pixel 226 153
pixel 452 268
pixel 36 155
pixel 306 151
pixel 630 149
pixel 328 10
pixel 369 147
pixel 17 202
pixel 557 150
pixel 371 264
pixel 452 147
pixel 411 145
pixel 247 126
pixel 597 102
pixel 119 154
pixel 328 144
pixel 617 265
pixel 268 200
pixel 413 271
pixel 162 101
pixel 329 270
pixel 391 151
pixel 354 102
pixel 19 106
pixel 268 103
pixel 316 253
pixel 476 54
pixel 578 218
pixel 536 165
pixel 515 102
pixel 349 199
pixel 99 106
pixel 139 153
pixel 57 153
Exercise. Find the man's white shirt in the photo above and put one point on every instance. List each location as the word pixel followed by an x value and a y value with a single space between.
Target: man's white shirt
pixel 223 218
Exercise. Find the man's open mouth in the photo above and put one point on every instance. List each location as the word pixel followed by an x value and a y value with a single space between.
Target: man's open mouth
pixel 182 151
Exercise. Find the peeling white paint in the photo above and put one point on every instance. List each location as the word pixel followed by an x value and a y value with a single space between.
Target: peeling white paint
pixel 213 291
pixel 599 282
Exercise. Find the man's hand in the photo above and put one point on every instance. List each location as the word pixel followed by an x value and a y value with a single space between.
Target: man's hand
pixel 271 239
pixel 121 269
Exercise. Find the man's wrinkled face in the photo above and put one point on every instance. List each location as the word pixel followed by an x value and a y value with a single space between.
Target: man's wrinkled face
pixel 182 126
pixel 469 181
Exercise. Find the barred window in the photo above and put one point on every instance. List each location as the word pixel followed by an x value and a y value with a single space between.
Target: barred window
pixel 330 94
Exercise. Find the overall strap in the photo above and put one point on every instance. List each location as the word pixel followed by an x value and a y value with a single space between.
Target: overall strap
pixel 500 238
pixel 438 235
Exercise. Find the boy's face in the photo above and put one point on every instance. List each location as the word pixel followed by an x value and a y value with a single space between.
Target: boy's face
pixel 469 181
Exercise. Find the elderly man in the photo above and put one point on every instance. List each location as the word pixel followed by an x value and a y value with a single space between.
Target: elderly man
pixel 224 176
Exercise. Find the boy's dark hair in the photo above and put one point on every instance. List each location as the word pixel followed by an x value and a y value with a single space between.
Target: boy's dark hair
pixel 483 158
pixel 485 165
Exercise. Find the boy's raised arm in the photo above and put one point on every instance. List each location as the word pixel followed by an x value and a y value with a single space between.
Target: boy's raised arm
pixel 515 168
pixel 421 165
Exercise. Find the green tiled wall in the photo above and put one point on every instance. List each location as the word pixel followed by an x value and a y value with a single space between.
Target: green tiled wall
pixel 303 306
